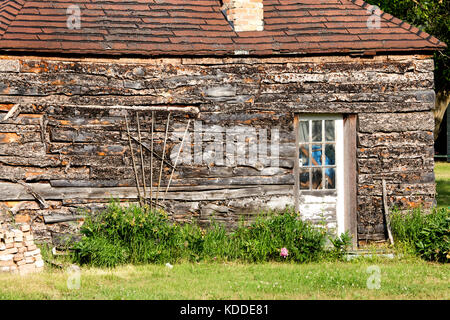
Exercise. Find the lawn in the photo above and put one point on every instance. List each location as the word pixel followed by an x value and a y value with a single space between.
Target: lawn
pixel 442 173
pixel 411 279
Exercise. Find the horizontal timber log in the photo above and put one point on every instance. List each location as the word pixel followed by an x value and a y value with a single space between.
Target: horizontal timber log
pixel 14 192
pixel 395 122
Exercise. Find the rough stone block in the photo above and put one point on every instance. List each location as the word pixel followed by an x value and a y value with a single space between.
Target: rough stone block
pixel 25 228
pixel 32 247
pixel 39 263
pixel 18 257
pixel 9 65
pixel 32 253
pixel 26 268
pixel 6 257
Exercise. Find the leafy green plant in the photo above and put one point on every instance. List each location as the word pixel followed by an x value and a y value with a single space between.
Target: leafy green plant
pixel 427 235
pixel 264 239
pixel 99 251
pixel 341 244
pixel 134 234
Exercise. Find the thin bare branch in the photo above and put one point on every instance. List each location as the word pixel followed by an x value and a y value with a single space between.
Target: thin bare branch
pixel 163 154
pixel 133 161
pixel 176 159
pixel 151 161
pixel 142 154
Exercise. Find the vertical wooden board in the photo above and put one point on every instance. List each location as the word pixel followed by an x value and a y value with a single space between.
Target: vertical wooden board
pixel 448 135
pixel 350 217
pixel 296 166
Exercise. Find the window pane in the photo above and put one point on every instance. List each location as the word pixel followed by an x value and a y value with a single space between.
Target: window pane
pixel 330 178
pixel 304 179
pixel 316 153
pixel 329 130
pixel 330 155
pixel 316 130
pixel 316 179
pixel 304 155
pixel 304 131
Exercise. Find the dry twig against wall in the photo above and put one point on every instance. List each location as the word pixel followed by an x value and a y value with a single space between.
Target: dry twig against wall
pixel 176 159
pixel 142 155
pixel 163 154
pixel 151 160
pixel 133 161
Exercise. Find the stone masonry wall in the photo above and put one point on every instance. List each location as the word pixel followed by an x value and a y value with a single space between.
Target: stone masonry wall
pixel 63 144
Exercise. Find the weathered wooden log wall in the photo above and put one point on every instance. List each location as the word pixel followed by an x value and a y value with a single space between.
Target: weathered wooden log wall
pixel 61 134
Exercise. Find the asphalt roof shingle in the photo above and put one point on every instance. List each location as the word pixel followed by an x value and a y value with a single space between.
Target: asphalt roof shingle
pixel 198 27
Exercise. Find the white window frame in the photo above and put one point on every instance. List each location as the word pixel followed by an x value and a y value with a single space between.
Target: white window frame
pixel 339 142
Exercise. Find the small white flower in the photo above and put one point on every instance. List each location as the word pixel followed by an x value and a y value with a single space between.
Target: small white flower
pixel 168 265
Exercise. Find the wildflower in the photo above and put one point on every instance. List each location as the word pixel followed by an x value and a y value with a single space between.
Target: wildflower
pixel 284 252
pixel 168 265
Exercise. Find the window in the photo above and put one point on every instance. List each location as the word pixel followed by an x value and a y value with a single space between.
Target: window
pixel 317 154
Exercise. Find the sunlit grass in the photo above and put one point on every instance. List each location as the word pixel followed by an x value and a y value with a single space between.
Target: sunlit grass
pixel 410 279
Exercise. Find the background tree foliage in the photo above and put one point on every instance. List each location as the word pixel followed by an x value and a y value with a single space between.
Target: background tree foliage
pixel 433 17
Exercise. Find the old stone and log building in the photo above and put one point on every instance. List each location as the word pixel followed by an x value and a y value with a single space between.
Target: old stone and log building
pixel 276 103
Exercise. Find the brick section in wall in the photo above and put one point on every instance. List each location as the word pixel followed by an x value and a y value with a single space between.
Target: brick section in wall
pixel 244 15
pixel 18 253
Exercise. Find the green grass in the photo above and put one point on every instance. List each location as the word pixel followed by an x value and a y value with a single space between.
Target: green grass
pixel 401 278
pixel 409 279
pixel 442 173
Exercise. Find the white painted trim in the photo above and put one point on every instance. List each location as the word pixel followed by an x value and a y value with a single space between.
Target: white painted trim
pixel 340 185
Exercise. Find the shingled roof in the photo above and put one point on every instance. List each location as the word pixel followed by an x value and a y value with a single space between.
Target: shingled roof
pixel 198 27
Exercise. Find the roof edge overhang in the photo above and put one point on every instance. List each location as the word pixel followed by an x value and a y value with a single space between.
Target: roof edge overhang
pixel 121 55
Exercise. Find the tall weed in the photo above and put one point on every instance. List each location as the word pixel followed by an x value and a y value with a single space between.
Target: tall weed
pixel 426 235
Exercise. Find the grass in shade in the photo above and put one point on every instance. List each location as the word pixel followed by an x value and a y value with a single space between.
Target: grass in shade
pixel 442 173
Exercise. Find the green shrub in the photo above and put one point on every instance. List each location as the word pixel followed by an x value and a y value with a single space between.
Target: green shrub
pixel 264 239
pixel 341 245
pixel 134 234
pixel 99 251
pixel 427 235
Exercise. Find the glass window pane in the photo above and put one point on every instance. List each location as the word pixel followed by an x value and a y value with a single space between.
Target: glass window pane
pixel 330 155
pixel 304 179
pixel 304 155
pixel 329 130
pixel 316 153
pixel 316 130
pixel 316 179
pixel 304 131
pixel 330 178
